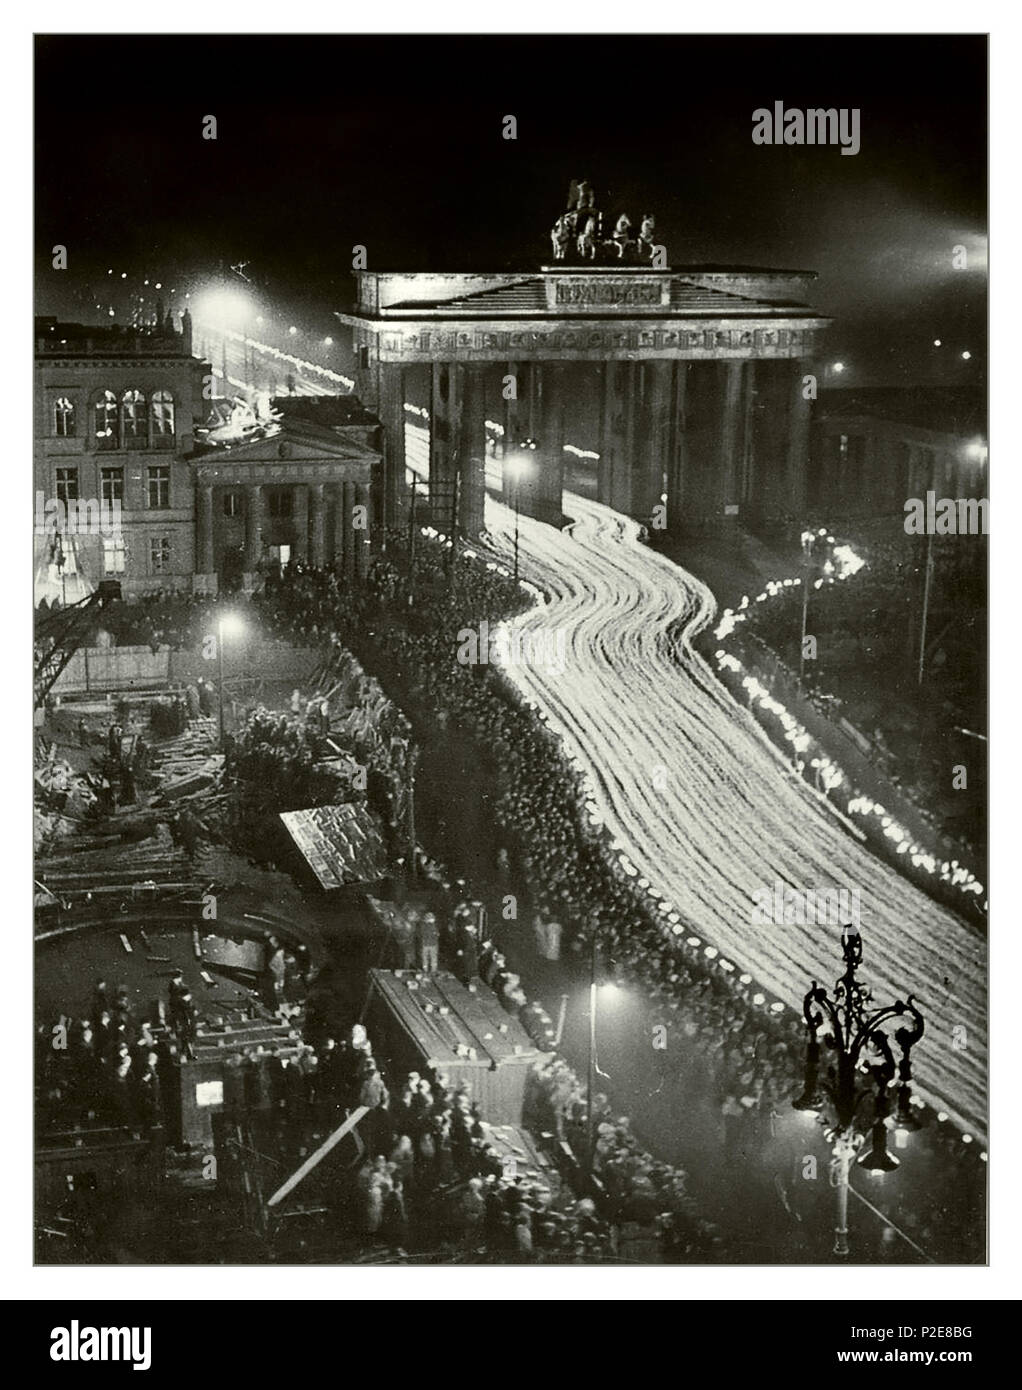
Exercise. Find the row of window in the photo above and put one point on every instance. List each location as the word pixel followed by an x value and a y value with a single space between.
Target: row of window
pixel 111 482
pixel 133 422
pixel 115 555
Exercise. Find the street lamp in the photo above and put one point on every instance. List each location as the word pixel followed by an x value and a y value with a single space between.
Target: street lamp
pixel 608 990
pixel 809 541
pixel 232 624
pixel 518 466
pixel 863 1070
pixel 227 307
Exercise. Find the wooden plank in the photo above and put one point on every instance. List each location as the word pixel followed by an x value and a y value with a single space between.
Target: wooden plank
pixel 321 1153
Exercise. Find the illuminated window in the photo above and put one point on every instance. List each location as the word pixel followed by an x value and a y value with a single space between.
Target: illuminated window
pixel 63 418
pixel 162 416
pixel 159 554
pixel 159 486
pixel 113 555
pixel 232 504
pixel 107 422
pixel 209 1093
pixel 112 484
pixel 67 484
pixel 134 420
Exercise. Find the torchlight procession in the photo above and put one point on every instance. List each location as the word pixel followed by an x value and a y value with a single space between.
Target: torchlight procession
pixel 498 701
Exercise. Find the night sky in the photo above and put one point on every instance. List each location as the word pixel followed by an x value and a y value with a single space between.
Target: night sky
pixel 396 143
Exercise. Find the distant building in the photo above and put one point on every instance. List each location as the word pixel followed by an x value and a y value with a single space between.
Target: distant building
pixel 294 484
pixel 873 449
pixel 142 476
pixel 115 417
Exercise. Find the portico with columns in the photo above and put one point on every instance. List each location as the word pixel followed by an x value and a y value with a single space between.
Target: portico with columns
pixel 700 376
pixel 283 498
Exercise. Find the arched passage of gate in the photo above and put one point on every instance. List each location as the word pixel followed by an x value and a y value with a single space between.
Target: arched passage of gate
pixel 701 398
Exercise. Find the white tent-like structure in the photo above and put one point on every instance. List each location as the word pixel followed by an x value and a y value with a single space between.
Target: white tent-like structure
pixel 59 578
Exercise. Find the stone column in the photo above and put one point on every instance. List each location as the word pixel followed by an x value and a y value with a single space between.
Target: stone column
pixel 300 520
pixel 678 446
pixel 344 544
pixel 334 524
pixel 392 417
pixel 732 439
pixel 799 413
pixel 443 425
pixel 317 526
pixel 604 468
pixel 205 563
pixel 253 527
pixel 472 451
pixel 362 538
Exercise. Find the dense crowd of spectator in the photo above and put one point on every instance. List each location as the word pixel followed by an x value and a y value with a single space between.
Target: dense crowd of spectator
pixel 99 1071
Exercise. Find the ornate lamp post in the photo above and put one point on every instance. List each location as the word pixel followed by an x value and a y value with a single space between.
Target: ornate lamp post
pixel 863 1070
pixel 227 624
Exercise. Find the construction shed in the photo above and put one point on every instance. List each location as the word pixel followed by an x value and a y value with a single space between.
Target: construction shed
pixel 418 1021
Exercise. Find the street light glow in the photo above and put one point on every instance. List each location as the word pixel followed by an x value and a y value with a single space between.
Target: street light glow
pixel 328 342
pixel 839 366
pixel 517 467
pixel 936 342
pixel 292 330
pixel 966 356
pixel 223 306
pixel 231 626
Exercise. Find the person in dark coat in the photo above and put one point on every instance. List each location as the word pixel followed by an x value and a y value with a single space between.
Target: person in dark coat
pixel 148 1106
pixel 100 999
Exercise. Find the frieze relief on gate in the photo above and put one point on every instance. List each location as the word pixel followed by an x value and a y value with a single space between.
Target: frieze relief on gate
pixel 496 344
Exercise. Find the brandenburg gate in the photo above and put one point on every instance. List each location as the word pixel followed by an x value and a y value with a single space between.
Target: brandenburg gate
pixel 703 406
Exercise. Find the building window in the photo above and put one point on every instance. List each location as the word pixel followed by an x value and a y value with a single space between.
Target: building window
pixel 279 504
pixel 63 418
pixel 162 417
pixel 232 504
pixel 134 420
pixel 113 555
pixel 159 554
pixel 107 421
pixel 842 447
pixel 67 484
pixel 159 486
pixel 112 484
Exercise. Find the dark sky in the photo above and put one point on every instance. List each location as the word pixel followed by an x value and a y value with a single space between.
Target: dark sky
pixel 396 143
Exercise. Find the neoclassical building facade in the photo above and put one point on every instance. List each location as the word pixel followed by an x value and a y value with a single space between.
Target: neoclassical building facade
pixel 141 474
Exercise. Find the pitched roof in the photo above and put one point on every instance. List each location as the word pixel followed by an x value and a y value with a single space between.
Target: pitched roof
pixel 528 298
